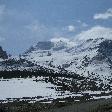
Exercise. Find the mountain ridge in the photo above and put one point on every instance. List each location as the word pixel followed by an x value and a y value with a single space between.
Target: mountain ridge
pixel 89 57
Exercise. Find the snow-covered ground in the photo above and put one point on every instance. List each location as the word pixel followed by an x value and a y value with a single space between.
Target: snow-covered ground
pixel 19 88
pixel 35 89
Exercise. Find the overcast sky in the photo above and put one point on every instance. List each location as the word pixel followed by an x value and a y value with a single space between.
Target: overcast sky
pixel 25 22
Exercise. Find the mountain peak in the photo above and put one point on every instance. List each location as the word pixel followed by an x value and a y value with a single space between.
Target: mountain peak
pixel 63 41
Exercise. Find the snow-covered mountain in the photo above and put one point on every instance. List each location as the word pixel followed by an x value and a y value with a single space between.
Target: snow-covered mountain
pixel 83 57
pixel 89 54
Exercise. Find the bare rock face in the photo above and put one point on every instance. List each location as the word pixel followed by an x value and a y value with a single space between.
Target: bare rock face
pixel 3 53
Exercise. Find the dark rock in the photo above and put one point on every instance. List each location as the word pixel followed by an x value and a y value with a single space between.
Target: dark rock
pixel 3 54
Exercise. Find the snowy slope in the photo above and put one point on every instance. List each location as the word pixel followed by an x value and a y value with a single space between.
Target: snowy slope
pixel 83 55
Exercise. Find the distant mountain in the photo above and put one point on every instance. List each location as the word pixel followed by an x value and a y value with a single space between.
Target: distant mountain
pixel 3 54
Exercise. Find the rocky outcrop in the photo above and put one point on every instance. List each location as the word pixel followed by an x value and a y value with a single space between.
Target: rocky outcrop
pixel 3 53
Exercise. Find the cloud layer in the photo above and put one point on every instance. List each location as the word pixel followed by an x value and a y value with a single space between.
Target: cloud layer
pixel 104 16
pixel 95 32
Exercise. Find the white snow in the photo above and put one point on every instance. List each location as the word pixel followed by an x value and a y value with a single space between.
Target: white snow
pixel 19 88
pixel 33 88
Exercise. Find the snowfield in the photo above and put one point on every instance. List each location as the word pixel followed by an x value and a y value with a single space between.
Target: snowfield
pixel 35 89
